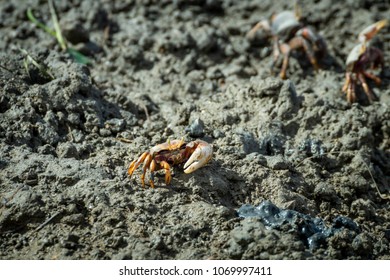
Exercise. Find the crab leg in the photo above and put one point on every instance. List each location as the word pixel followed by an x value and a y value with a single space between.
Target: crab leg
pixel 167 169
pixel 201 155
pixel 372 77
pixel 147 161
pixel 349 87
pixel 275 54
pixel 295 43
pixel 367 90
pixel 347 82
pixel 307 34
pixel 299 42
pixel 152 168
pixel 134 165
pixel 285 48
pixel 351 95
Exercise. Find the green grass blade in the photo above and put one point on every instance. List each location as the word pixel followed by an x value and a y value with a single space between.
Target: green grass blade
pixel 60 38
pixel 79 57
pixel 41 68
pixel 57 33
pixel 32 18
pixel 29 59
pixel 25 64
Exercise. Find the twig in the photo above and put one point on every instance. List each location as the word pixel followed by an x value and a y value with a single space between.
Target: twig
pixel 70 133
pixel 146 111
pixel 383 196
pixel 48 221
pixel 5 68
pixel 124 140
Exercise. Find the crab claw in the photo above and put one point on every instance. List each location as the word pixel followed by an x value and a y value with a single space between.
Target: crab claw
pixel 261 25
pixel 201 155
pixel 369 32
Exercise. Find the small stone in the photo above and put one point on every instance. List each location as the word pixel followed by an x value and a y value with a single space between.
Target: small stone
pixel 115 125
pixel 46 149
pixel 363 244
pixel 325 192
pixel 104 132
pixel 276 162
pixel 74 219
pixel 196 129
pixel 206 40
pixel 363 208
pixel 67 150
pixel 218 134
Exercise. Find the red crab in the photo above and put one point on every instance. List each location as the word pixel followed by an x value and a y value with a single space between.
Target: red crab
pixel 361 57
pixel 194 155
pixel 289 34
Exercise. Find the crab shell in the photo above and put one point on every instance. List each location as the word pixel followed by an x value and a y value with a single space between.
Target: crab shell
pixel 363 57
pixel 284 24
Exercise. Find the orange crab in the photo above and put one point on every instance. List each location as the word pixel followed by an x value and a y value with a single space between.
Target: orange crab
pixel 195 154
pixel 361 57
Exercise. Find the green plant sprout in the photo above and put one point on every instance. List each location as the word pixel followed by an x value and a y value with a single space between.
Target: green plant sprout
pixel 29 59
pixel 57 33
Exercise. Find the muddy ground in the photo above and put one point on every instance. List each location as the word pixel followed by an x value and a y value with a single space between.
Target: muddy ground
pixel 171 69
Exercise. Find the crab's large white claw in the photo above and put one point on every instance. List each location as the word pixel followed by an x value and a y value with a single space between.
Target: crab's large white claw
pixel 199 157
pixel 354 55
pixel 369 32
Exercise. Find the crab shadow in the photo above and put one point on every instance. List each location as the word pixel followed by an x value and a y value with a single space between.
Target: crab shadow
pixel 213 183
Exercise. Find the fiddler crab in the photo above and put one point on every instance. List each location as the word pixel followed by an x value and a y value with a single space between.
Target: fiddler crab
pixel 288 33
pixel 361 57
pixel 194 155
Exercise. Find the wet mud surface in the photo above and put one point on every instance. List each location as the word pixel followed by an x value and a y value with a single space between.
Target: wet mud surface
pixel 316 167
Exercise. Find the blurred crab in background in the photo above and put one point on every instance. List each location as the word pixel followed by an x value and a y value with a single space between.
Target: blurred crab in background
pixel 362 57
pixel 194 155
pixel 289 33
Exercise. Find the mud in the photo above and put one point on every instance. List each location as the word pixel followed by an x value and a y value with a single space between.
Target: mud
pixel 171 69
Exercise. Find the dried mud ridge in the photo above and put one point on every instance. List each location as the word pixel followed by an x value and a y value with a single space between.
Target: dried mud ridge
pixel 313 165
